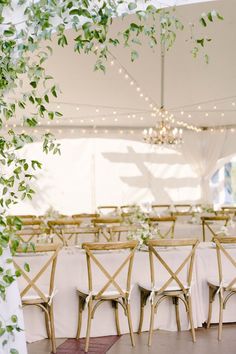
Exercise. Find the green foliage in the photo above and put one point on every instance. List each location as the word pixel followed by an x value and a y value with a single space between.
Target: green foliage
pixel 22 64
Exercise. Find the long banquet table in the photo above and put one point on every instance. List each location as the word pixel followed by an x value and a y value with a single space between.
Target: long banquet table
pixel 72 273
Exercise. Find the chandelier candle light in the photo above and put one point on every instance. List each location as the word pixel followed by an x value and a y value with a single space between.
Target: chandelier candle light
pixel 163 133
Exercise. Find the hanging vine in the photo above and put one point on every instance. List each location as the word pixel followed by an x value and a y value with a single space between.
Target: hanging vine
pixel 26 89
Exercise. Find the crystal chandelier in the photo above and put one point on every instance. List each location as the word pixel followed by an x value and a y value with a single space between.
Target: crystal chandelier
pixel 163 133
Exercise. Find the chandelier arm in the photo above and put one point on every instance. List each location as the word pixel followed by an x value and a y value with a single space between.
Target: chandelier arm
pixel 162 72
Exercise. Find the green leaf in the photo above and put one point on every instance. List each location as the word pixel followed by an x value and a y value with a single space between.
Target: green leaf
pixel 14 318
pixel 2 331
pixel 201 41
pixel 132 6
pixel 14 351
pixel 26 267
pixel 203 22
pixel 134 55
pixel 219 16
pixel 33 84
pixel 209 16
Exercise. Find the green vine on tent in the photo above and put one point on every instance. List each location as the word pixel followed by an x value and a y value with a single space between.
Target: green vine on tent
pixel 26 89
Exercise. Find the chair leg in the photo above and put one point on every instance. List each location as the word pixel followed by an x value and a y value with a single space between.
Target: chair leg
pixel 80 313
pixel 221 299
pixel 151 325
pixel 176 303
pixel 47 323
pixel 130 324
pixel 211 299
pixel 115 304
pixel 52 328
pixel 143 301
pixel 190 315
pixel 88 325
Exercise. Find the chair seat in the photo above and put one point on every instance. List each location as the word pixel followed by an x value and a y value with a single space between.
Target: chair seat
pixel 214 282
pixel 157 287
pixel 113 294
pixel 34 299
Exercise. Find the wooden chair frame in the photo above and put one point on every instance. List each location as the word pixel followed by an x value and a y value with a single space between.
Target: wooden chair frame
pixel 27 236
pixel 42 300
pixel 116 231
pixel 165 219
pixel 30 229
pixel 104 224
pixel 229 210
pixel 59 228
pixel 85 216
pixel 84 231
pixel 185 206
pixel 183 293
pixel 207 219
pixel 224 291
pixel 114 209
pixel 119 297
pixel 155 207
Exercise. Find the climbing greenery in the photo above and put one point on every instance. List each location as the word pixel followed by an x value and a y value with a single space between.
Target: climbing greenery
pixel 26 30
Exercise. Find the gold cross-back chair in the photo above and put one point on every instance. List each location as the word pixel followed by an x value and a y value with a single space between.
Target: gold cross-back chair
pixel 211 222
pixel 32 230
pixel 173 286
pixel 121 232
pixel 65 229
pixel 225 284
pixel 229 210
pixel 164 224
pixel 104 224
pixel 111 288
pixel 32 293
pixel 103 210
pixel 85 217
pixel 161 208
pixel 183 208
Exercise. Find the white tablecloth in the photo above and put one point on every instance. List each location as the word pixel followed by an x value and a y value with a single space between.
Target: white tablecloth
pixel 8 308
pixel 72 273
pixel 188 230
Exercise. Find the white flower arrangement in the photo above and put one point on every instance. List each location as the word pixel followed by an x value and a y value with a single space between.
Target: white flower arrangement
pixel 145 231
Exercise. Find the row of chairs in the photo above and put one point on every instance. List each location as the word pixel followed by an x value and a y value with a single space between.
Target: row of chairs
pixel 120 295
pixel 173 209
pixel 70 231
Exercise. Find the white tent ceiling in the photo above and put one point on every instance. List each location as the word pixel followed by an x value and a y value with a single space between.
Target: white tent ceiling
pixel 195 92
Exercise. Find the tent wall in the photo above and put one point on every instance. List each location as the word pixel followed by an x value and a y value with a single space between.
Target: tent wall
pixel 100 171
